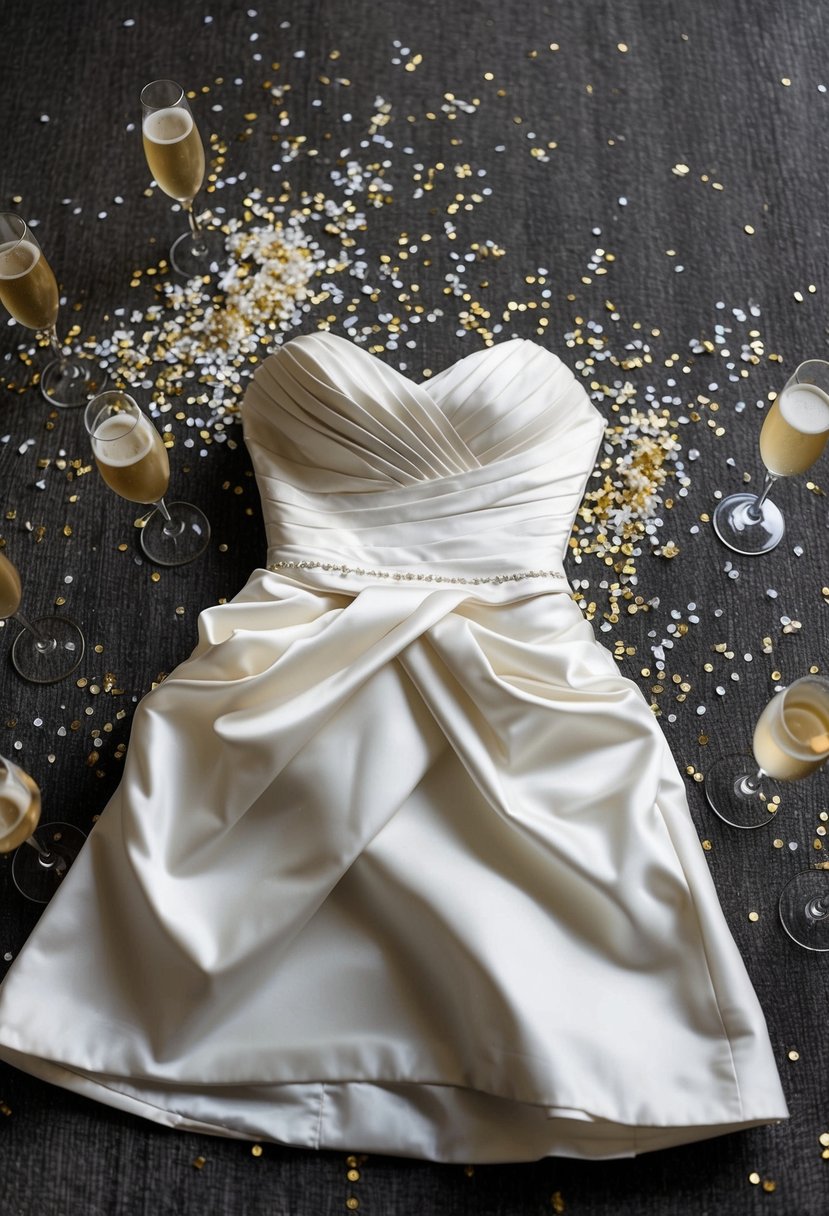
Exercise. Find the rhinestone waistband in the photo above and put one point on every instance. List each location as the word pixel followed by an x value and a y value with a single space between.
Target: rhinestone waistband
pixel 400 576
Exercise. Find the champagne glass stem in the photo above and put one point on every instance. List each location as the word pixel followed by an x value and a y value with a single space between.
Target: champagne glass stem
pixel 43 642
pixel 756 509
pixel 54 342
pixel 171 528
pixel 199 246
pixel 817 909
pixel 49 860
pixel 749 786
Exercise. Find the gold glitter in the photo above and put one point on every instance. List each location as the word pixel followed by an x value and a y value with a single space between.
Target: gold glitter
pixel 256 1150
pixel 769 1186
pixel 352 1203
pixel 707 845
pixel 155 576
pixel 778 843
pixel 824 1139
pixel 353 1175
pixel 754 916
pixel 794 1055
pixel 557 1202
pixel 199 1162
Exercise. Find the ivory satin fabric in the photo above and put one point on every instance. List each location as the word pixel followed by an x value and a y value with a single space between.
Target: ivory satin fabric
pixel 400 863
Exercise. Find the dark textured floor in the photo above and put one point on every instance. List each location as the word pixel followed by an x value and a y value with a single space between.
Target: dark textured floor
pixel 642 185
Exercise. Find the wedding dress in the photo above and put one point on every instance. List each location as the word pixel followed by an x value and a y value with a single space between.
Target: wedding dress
pixel 400 862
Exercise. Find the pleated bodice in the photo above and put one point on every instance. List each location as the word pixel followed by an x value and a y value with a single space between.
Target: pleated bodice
pixel 474 475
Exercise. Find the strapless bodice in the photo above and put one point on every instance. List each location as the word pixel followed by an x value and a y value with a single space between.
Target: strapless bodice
pixel 473 476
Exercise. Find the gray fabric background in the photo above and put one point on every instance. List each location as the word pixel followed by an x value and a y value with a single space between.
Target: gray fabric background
pixel 700 85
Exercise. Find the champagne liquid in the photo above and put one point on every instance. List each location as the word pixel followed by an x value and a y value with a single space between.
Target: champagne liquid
pixel 27 285
pixel 131 457
pixel 795 430
pixel 174 152
pixel 10 590
pixel 784 730
pixel 19 806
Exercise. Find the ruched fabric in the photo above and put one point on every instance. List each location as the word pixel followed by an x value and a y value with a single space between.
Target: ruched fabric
pixel 400 862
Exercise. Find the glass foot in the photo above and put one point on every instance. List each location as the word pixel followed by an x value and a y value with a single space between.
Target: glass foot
pixel 183 538
pixel 208 256
pixel 733 800
pixel 38 874
pixel 804 909
pixel 69 383
pixel 51 653
pixel 744 530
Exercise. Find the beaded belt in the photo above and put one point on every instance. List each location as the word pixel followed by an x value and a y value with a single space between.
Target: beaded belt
pixel 409 576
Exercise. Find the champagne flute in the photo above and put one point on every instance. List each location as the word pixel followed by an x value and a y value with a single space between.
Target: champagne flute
pixel 47 649
pixel 791 741
pixel 38 869
pixel 804 907
pixel 132 460
pixel 792 437
pixel 29 291
pixel 175 155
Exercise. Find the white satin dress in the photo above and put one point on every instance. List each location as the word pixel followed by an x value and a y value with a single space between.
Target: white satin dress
pixel 400 863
